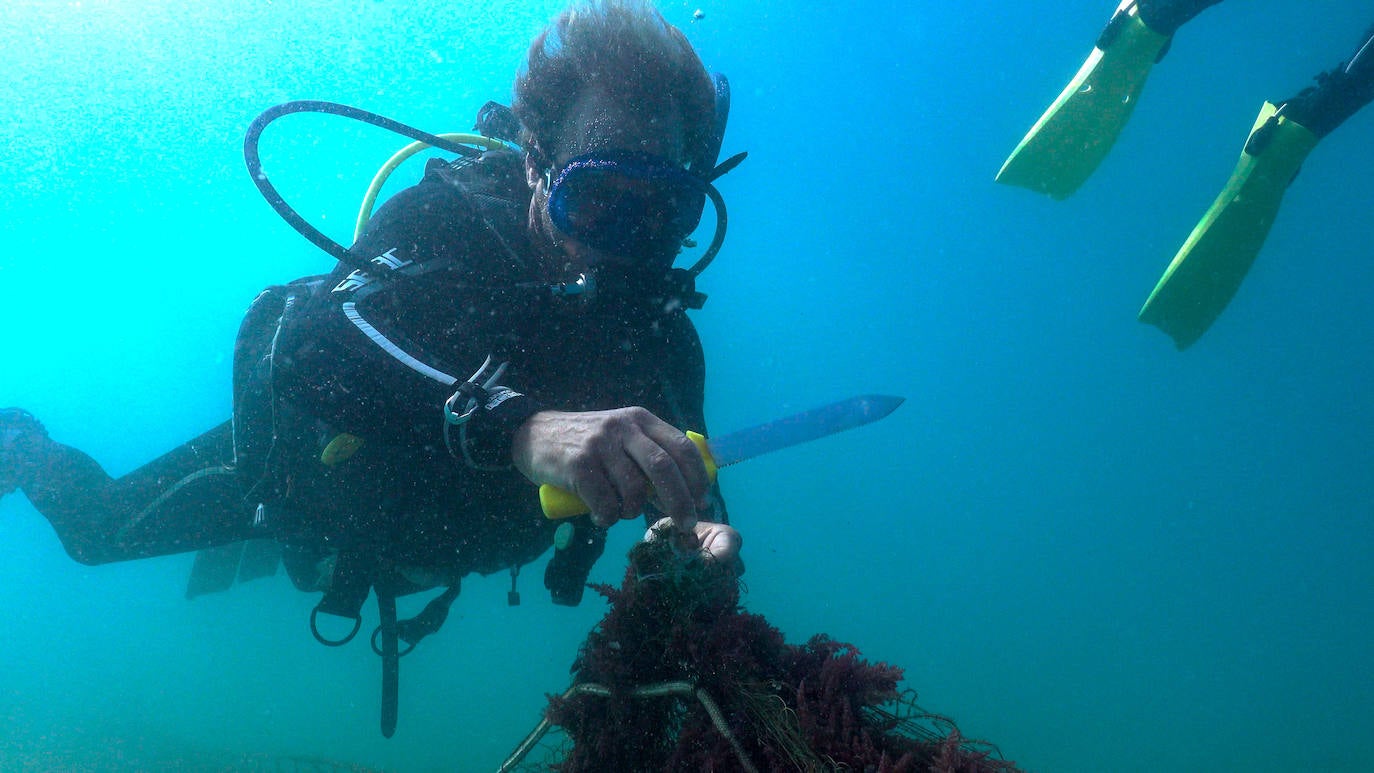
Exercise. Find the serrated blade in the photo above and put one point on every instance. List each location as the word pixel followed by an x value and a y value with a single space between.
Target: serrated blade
pixel 800 428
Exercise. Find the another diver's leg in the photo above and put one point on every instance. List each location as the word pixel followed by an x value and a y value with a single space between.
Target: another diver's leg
pixel 1338 94
pixel 1207 271
pixel 1166 16
pixel 185 500
pixel 1074 135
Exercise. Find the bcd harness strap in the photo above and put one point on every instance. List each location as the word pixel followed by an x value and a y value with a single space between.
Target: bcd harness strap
pixel 355 575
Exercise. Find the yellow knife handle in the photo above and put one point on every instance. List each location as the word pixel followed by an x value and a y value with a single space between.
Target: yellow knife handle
pixel 560 503
pixel 710 461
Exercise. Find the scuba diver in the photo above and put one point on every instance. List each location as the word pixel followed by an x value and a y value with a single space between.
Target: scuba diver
pixel 513 319
pixel 1074 135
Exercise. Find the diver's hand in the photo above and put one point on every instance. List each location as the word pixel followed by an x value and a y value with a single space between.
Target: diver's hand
pixel 718 542
pixel 614 461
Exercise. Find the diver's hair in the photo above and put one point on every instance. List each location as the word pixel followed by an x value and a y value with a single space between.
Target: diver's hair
pixel 626 49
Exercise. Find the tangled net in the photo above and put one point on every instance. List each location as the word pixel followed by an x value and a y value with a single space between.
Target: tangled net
pixel 678 677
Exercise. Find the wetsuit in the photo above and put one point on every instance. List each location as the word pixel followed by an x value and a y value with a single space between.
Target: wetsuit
pixel 1338 93
pixel 376 356
pixel 1166 16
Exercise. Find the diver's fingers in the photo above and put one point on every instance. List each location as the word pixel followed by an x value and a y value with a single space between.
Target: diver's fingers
pixel 688 459
pixel 629 482
pixel 719 542
pixel 670 487
pixel 598 491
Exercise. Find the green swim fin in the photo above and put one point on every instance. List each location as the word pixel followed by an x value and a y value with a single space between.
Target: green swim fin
pixel 1066 145
pixel 1208 269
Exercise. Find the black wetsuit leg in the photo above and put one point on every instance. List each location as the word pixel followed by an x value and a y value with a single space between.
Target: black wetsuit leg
pixel 1166 16
pixel 185 500
pixel 1338 94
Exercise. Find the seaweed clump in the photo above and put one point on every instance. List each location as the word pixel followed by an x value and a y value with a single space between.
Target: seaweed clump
pixel 677 676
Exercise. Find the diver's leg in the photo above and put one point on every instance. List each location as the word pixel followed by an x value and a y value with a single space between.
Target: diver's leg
pixel 1338 94
pixel 24 450
pixel 1207 271
pixel 64 484
pixel 1073 136
pixel 1166 16
pixel 185 500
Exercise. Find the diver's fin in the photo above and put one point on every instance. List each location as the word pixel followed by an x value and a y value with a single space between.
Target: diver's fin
pixel 1073 136
pixel 261 557
pixel 214 569
pixel 1208 269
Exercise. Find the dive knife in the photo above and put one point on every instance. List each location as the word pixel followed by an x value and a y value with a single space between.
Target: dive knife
pixel 748 443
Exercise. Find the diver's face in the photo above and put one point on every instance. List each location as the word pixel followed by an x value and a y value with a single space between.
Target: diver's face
pixel 596 124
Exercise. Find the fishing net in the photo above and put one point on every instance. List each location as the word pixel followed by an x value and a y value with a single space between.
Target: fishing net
pixel 677 676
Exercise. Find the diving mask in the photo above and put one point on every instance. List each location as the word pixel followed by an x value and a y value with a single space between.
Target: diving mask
pixel 626 202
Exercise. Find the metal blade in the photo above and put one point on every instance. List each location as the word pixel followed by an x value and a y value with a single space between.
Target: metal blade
pixel 801 428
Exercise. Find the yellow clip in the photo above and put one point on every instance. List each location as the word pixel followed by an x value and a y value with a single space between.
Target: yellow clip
pixel 340 449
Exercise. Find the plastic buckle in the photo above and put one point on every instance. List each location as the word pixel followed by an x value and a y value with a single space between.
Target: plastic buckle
pixel 475 397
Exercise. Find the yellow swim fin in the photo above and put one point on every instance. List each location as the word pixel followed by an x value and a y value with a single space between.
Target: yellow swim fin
pixel 1208 269
pixel 1073 136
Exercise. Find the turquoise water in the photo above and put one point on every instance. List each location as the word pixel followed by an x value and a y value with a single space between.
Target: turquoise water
pixel 1096 551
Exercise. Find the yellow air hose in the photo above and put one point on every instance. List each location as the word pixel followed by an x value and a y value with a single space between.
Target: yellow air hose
pixel 370 198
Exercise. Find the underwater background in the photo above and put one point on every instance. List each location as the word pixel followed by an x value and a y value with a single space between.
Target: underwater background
pixel 1089 548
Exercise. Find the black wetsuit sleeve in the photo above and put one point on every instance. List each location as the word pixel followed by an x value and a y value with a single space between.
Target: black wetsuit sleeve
pixel 1166 16
pixel 1338 93
pixel 378 354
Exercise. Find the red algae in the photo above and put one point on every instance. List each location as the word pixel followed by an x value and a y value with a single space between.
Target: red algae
pixel 678 676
